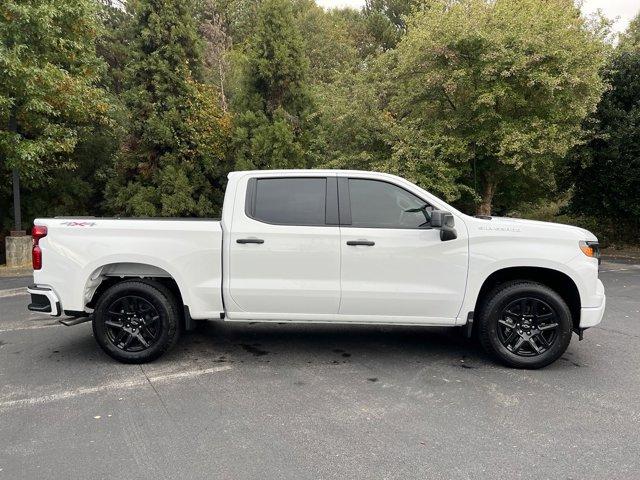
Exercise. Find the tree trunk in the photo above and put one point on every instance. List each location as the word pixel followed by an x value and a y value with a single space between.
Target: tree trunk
pixel 488 190
pixel 223 97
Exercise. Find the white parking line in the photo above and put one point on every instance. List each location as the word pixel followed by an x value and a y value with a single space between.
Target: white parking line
pixel 13 292
pixel 123 385
pixel 632 267
pixel 30 327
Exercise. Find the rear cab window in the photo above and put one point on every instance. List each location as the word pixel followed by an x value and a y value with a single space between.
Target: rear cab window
pixel 292 200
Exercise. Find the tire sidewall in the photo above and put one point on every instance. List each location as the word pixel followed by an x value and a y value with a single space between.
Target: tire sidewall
pixel 493 309
pixel 163 305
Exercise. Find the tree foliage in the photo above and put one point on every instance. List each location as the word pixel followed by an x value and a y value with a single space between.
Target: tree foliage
pixel 272 125
pixel 328 43
pixel 605 172
pixel 141 107
pixel 48 75
pixel 386 21
pixel 51 105
pixel 499 87
pixel 630 39
pixel 174 159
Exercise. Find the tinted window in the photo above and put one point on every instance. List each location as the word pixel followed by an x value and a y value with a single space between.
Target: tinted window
pixel 290 201
pixel 383 205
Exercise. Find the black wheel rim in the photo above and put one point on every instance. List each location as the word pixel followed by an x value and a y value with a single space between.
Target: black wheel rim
pixel 528 327
pixel 132 324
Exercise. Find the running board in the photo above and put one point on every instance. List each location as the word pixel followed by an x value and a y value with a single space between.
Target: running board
pixel 74 321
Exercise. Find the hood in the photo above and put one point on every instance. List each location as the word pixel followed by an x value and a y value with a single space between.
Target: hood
pixel 508 224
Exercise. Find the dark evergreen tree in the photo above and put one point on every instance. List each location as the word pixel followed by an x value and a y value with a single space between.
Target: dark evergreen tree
pixel 174 160
pixel 606 171
pixel 385 21
pixel 273 105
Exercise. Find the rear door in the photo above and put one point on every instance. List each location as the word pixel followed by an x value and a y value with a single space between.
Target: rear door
pixel 394 265
pixel 284 248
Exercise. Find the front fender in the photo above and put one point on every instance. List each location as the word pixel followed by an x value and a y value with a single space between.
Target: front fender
pixel 488 256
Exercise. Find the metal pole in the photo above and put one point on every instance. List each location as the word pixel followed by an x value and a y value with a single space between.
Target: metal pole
pixel 13 127
pixel 16 200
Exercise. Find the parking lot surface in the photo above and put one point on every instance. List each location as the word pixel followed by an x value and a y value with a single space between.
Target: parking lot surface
pixel 256 401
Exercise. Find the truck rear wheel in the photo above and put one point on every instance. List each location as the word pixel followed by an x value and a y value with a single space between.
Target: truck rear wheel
pixel 525 324
pixel 136 321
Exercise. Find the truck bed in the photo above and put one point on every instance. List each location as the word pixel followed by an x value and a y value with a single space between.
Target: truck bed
pixel 78 252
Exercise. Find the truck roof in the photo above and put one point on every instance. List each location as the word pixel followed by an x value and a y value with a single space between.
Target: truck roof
pixel 307 171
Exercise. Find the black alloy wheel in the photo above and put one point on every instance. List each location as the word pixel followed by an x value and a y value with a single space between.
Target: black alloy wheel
pixel 136 321
pixel 528 327
pixel 524 324
pixel 133 323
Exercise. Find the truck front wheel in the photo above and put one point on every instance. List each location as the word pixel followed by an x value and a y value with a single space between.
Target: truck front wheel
pixel 136 321
pixel 525 324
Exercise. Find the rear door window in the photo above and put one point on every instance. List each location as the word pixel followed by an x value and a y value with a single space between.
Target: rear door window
pixel 290 201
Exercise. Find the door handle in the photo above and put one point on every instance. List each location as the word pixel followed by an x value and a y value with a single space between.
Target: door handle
pixel 249 240
pixel 366 243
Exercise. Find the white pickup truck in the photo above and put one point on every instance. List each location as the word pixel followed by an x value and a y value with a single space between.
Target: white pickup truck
pixel 325 246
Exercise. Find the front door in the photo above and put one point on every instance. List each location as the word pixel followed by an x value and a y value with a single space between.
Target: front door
pixel 284 250
pixel 393 264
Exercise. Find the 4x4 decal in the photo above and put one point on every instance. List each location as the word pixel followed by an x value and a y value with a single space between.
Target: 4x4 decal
pixel 78 224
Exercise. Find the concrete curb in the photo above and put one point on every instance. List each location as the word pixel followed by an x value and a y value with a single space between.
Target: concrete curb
pixel 15 271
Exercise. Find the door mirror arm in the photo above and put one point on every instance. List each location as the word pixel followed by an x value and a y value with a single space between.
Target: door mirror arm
pixel 445 222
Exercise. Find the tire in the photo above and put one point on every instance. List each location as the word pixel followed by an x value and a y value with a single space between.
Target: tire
pixel 525 324
pixel 136 321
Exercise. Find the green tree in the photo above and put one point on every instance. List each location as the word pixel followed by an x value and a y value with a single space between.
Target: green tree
pixel 328 44
pixel 630 39
pixel 357 129
pixel 385 21
pixel 217 46
pixel 237 17
pixel 273 125
pixel 496 87
pixel 48 86
pixel 113 44
pixel 358 29
pixel 606 170
pixel 174 160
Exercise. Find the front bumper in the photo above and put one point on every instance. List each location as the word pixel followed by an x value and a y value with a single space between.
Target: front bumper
pixel 590 317
pixel 44 300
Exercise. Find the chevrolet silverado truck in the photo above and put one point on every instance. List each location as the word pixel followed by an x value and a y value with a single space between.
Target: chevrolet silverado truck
pixel 327 246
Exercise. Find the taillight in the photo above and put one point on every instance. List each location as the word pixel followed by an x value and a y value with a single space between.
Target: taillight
pixel 37 232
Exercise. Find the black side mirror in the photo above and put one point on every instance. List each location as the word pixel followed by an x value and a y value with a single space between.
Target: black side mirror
pixel 444 221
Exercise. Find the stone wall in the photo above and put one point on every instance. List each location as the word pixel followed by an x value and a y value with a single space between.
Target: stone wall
pixel 18 251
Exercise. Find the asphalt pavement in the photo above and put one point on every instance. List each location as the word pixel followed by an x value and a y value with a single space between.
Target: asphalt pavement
pixel 256 401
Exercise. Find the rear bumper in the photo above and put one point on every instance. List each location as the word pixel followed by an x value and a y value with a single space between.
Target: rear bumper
pixel 590 317
pixel 44 300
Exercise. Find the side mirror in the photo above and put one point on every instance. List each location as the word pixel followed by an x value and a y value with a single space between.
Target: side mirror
pixel 444 221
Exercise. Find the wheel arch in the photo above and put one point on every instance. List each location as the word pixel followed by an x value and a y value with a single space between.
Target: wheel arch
pixel 558 281
pixel 109 274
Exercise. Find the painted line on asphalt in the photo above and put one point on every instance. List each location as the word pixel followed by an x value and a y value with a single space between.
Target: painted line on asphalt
pixel 619 269
pixel 31 327
pixel 123 385
pixel 13 292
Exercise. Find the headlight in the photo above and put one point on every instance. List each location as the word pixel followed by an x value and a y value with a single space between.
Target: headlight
pixel 590 249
